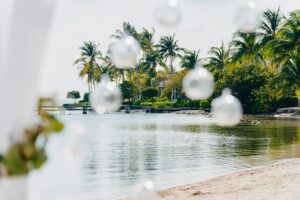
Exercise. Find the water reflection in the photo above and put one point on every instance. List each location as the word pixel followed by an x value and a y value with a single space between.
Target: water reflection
pixel 90 168
pixel 150 151
pixel 169 149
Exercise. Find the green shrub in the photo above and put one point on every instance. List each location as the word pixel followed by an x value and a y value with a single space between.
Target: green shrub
pixel 194 104
pixel 128 103
pixel 73 95
pixel 147 103
pixel 137 103
pixel 267 100
pixel 86 97
pixel 128 90
pixel 243 80
pixel 204 104
pixel 156 102
pixel 163 104
pixel 149 93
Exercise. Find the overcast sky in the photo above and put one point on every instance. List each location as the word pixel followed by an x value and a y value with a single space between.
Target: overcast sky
pixel 205 23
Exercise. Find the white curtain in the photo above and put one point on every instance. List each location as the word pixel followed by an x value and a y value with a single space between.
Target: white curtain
pixel 24 25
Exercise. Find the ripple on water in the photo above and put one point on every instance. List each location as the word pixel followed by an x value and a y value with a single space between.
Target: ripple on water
pixel 168 149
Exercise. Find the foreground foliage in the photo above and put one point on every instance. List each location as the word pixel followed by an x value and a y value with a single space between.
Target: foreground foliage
pixel 29 153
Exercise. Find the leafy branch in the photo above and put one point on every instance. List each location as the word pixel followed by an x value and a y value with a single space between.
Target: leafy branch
pixel 24 156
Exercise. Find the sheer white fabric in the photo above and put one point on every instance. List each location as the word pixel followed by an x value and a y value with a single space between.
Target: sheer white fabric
pixel 23 36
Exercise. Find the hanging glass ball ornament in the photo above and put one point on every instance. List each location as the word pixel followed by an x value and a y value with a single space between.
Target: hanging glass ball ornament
pixel 226 109
pixel 168 14
pixel 248 17
pixel 198 84
pixel 76 142
pixel 107 97
pixel 125 52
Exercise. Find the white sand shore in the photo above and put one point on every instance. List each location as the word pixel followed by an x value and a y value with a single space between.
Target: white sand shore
pixel 280 181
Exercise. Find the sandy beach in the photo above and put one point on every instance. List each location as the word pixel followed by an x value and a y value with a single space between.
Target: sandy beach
pixel 277 182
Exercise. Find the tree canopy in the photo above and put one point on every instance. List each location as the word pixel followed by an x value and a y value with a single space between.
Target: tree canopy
pixel 262 68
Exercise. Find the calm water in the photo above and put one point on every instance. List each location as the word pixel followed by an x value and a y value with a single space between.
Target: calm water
pixel 125 149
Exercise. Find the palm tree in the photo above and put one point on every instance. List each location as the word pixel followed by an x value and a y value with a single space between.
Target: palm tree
pixel 127 29
pixel 291 73
pixel 87 63
pixel 175 83
pixel 190 59
pixel 288 39
pixel 151 56
pixel 146 39
pixel 245 48
pixel 219 58
pixel 169 49
pixel 116 74
pixel 107 67
pixel 271 23
pixel 151 60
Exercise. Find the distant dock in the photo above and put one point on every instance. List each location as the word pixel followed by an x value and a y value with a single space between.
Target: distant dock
pixel 126 108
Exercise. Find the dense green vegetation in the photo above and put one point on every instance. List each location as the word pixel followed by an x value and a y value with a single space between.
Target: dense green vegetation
pixel 73 95
pixel 262 68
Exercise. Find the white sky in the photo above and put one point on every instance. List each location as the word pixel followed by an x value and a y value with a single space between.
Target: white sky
pixel 205 24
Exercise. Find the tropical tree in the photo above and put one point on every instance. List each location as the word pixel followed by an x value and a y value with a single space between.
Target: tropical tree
pixel 108 68
pixel 146 40
pixel 151 56
pixel 238 66
pixel 138 74
pixel 245 48
pixel 218 58
pixel 149 93
pixel 73 95
pixel 128 90
pixel 127 29
pixel 271 23
pixel 288 41
pixel 243 79
pixel 190 59
pixel 161 79
pixel 151 60
pixel 175 84
pixel 86 97
pixel 291 73
pixel 88 63
pixel 169 49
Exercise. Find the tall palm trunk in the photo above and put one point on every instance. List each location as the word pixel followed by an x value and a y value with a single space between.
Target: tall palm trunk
pixel 89 87
pixel 137 70
pixel 173 95
pixel 130 75
pixel 123 75
pixel 92 74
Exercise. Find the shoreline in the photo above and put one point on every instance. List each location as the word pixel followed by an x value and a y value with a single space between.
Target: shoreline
pixel 282 116
pixel 277 181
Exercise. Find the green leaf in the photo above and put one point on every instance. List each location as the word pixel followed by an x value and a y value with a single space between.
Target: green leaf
pixel 29 150
pixel 14 163
pixel 39 159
